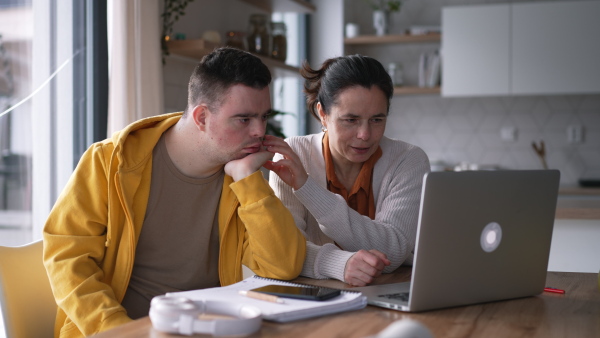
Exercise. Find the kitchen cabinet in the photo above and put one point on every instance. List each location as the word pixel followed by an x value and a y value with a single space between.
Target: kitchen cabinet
pixel 576 231
pixel 575 246
pixel 475 48
pixel 521 49
pixel 556 47
pixel 398 39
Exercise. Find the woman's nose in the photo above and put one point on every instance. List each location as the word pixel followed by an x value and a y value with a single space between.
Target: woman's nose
pixel 364 131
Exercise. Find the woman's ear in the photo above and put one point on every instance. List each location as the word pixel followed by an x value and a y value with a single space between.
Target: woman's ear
pixel 322 115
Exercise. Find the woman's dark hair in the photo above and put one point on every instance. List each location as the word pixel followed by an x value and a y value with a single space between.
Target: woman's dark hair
pixel 336 74
pixel 221 69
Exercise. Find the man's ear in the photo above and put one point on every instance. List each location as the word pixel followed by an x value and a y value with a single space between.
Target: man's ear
pixel 199 116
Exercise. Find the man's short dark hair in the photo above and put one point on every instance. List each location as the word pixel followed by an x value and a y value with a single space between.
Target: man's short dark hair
pixel 222 69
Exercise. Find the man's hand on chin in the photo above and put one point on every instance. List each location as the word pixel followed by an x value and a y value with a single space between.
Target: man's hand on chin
pixel 239 169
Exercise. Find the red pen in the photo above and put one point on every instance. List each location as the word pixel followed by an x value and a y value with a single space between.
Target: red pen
pixel 554 290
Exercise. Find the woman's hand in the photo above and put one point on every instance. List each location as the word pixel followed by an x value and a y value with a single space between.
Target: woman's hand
pixel 364 266
pixel 289 168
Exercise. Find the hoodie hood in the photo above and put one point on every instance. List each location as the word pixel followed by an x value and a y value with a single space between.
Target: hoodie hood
pixel 134 143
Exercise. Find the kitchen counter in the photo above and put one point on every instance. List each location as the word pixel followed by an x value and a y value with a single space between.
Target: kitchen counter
pixel 575 202
pixel 578 191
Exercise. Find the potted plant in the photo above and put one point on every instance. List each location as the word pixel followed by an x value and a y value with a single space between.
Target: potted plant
pixel 381 14
pixel 173 10
pixel 274 126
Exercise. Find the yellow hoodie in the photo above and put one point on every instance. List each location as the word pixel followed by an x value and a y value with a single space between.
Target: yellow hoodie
pixel 91 233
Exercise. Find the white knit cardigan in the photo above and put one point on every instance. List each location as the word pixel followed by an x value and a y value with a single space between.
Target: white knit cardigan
pixel 324 217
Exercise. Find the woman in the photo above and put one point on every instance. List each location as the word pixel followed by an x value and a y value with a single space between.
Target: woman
pixel 353 192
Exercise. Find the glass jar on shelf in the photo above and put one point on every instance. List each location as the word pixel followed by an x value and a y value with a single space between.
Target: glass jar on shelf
pixel 259 35
pixel 236 39
pixel 279 41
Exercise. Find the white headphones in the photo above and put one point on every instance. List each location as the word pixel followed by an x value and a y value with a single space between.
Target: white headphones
pixel 180 315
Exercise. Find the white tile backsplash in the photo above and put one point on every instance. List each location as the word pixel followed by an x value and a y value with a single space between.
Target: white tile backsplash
pixel 468 129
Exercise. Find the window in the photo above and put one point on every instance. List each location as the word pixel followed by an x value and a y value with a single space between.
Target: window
pixel 287 90
pixel 50 109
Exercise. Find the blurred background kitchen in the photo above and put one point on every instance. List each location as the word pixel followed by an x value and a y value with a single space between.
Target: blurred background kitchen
pixel 479 84
pixel 468 130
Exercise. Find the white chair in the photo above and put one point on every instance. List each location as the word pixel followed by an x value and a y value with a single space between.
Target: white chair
pixel 27 304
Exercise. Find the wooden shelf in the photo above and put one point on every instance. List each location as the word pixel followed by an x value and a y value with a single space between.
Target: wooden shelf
pixel 407 90
pixel 197 48
pixel 384 39
pixel 191 48
pixel 296 6
pixel 400 38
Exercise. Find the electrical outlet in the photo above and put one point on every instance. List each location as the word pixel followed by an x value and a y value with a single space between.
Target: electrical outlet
pixel 575 134
pixel 508 133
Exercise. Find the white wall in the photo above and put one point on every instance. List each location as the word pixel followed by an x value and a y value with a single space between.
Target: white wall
pixel 326 39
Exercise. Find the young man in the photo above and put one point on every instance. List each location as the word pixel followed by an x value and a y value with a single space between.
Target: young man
pixel 172 202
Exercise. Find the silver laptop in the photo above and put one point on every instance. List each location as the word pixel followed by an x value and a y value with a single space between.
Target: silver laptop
pixel 482 236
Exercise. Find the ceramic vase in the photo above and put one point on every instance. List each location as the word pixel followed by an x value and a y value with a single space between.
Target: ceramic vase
pixel 381 22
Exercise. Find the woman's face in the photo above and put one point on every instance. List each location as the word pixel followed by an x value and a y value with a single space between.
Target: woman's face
pixel 355 124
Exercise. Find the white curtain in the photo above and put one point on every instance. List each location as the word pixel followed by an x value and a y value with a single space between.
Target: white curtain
pixel 135 80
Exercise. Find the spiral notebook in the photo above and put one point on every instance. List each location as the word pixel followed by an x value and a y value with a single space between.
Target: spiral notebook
pixel 291 310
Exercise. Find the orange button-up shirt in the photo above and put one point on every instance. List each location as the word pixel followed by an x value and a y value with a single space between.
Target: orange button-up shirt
pixel 360 198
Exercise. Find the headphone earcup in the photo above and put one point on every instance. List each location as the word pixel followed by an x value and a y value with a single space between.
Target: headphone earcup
pixel 181 315
pixel 166 312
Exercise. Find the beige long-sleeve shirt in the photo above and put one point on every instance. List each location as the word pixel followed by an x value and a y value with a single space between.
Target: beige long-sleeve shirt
pixel 324 217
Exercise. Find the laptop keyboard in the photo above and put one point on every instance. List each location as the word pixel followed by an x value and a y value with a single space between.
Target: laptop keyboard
pixel 402 296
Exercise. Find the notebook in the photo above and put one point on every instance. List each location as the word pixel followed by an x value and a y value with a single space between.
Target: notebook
pixel 482 236
pixel 291 310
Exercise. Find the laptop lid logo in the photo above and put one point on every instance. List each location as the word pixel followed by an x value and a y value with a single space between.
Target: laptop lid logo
pixel 491 237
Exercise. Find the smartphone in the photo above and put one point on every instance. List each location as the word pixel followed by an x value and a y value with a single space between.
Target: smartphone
pixel 299 292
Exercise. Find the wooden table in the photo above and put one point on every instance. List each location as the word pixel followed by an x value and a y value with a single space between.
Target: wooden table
pixel 574 314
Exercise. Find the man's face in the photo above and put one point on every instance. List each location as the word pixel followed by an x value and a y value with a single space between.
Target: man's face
pixel 237 127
